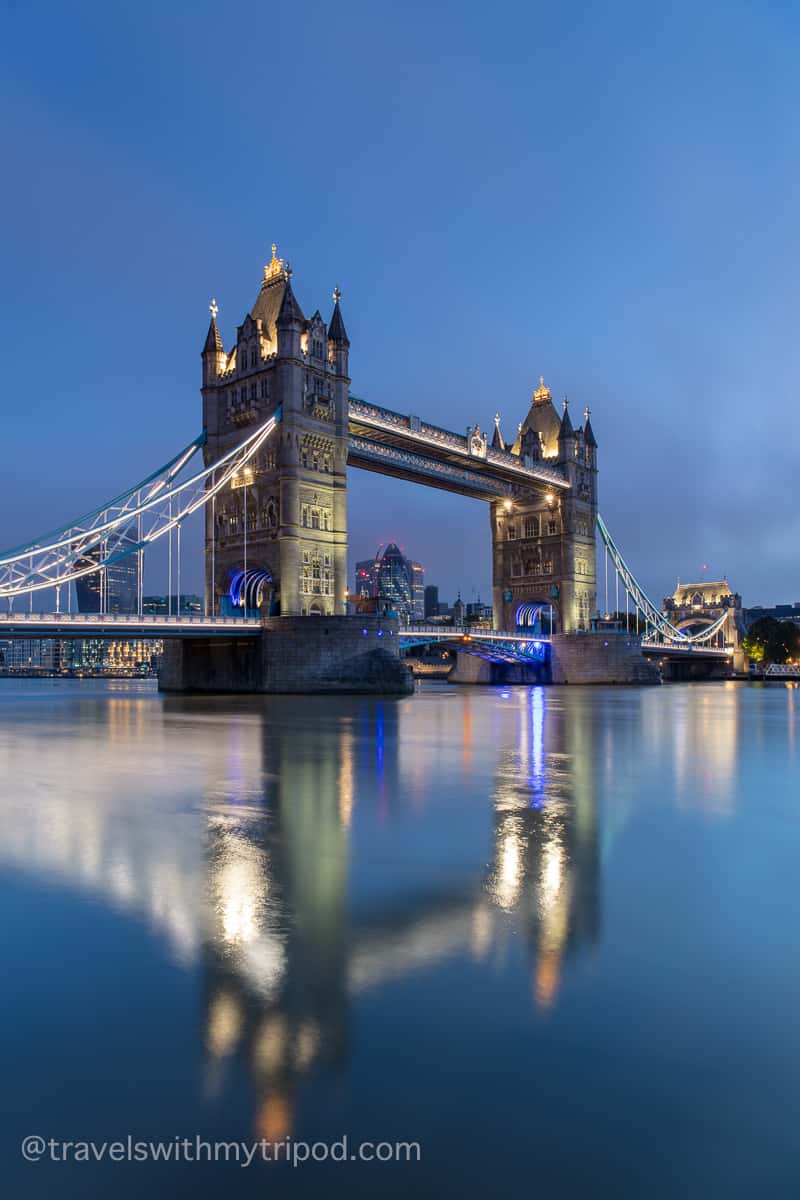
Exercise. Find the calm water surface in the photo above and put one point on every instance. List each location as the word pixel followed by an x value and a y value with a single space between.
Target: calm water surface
pixel 551 935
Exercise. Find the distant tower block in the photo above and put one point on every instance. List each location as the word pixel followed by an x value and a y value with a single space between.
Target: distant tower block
pixel 278 537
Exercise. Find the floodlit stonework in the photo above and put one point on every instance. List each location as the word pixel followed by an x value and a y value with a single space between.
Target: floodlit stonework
pixel 278 537
pixel 543 540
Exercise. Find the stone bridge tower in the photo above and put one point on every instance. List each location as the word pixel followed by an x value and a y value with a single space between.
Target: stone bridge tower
pixel 543 541
pixel 277 538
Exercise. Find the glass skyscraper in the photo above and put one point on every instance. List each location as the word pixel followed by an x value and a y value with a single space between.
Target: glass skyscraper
pixel 113 590
pixel 396 583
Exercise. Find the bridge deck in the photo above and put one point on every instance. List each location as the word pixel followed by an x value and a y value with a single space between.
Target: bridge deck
pixel 118 625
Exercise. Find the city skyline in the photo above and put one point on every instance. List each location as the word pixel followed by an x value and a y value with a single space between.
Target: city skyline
pixel 624 269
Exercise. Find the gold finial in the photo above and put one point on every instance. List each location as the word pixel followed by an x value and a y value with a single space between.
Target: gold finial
pixel 275 268
pixel 213 308
pixel 542 392
pixel 497 419
pixel 337 295
pixel 587 412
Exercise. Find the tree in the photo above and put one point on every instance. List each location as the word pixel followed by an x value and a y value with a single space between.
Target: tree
pixel 771 641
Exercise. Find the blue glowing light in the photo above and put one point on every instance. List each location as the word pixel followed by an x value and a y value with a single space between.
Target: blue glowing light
pixel 247 587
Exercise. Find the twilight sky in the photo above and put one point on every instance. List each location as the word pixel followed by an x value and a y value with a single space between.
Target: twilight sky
pixel 605 194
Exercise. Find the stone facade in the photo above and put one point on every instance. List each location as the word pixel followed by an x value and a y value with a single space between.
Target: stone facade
pixel 606 657
pixel 293 655
pixel 281 530
pixel 543 542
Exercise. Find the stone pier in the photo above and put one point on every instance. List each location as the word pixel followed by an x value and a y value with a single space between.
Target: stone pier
pixel 293 654
pixel 604 657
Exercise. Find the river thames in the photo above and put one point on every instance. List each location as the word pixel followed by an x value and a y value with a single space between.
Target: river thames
pixel 550 935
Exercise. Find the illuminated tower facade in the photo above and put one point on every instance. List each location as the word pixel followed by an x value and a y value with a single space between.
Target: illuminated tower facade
pixel 276 538
pixel 543 542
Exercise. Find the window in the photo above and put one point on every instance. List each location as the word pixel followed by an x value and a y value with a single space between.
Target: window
pixel 532 527
pixel 315 518
pixel 326 520
pixel 552 527
pixel 511 533
pixel 252 391
pixel 304 518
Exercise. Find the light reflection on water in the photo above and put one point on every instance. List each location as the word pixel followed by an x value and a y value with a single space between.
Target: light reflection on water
pixel 315 866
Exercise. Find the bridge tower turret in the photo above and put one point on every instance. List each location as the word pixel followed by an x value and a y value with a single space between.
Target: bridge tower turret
pixel 213 355
pixel 277 538
pixel 578 584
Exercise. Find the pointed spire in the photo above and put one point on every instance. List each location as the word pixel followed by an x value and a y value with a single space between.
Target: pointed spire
pixel 565 429
pixel 336 329
pixel 289 310
pixel 213 340
pixel 588 432
pixel 498 442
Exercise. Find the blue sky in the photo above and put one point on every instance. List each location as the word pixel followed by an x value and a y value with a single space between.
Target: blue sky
pixel 603 194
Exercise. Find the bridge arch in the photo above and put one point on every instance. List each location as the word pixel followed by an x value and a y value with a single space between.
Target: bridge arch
pixel 540 616
pixel 250 588
pixel 696 625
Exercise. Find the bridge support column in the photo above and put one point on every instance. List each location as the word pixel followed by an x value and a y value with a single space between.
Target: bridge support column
pixel 293 655
pixel 606 657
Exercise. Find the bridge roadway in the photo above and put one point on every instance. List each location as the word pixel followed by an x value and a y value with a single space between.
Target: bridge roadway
pixel 116 625
pixel 119 625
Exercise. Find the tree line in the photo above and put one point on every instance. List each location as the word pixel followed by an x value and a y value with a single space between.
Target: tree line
pixel 772 641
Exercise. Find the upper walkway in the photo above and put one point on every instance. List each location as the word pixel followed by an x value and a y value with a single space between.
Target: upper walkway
pixel 413 449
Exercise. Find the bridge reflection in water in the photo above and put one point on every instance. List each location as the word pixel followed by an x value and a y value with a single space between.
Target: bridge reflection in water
pixel 325 852
pixel 300 855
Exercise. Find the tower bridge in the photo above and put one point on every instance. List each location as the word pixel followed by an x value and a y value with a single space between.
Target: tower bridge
pixel 280 430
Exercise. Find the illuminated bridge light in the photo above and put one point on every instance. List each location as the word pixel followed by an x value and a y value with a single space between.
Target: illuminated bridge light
pixel 247 587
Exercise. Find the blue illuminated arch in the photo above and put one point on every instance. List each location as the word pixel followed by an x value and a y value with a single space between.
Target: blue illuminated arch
pixel 247 587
